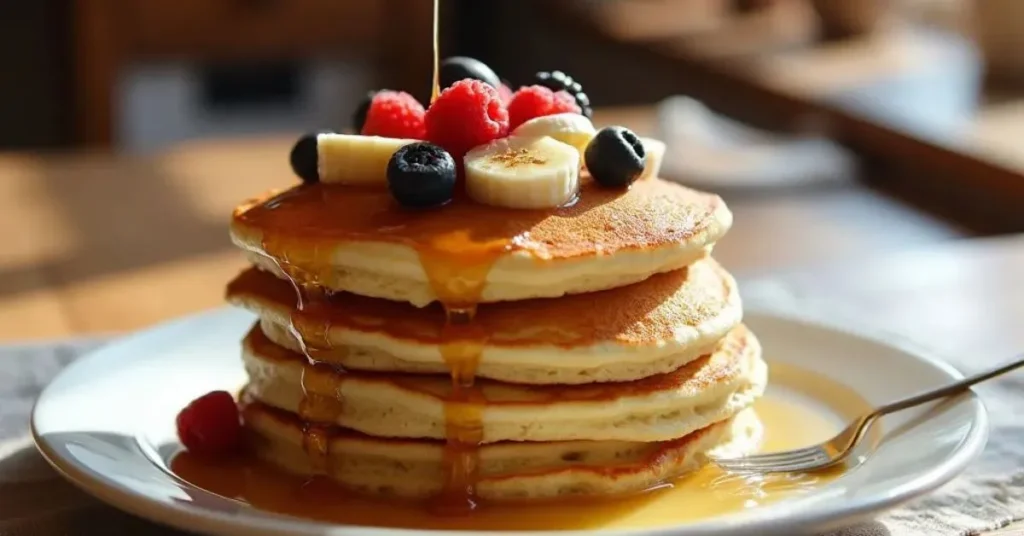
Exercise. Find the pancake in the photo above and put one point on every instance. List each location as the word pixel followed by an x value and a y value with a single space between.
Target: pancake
pixel 507 471
pixel 356 239
pixel 656 408
pixel 622 334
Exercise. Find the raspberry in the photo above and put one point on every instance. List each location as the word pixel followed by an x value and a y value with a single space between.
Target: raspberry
pixel 466 114
pixel 537 101
pixel 394 114
pixel 210 425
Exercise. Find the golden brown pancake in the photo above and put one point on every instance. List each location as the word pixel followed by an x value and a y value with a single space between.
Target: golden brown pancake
pixel 507 471
pixel 356 239
pixel 656 408
pixel 621 334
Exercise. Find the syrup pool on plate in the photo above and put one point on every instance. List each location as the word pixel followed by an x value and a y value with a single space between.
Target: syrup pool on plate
pixel 801 408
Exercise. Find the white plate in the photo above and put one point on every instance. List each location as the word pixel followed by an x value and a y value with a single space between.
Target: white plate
pixel 106 423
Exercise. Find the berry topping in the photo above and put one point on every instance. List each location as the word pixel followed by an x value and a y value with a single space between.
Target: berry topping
pixel 304 157
pixel 421 175
pixel 559 81
pixel 210 425
pixel 467 114
pixel 394 114
pixel 615 157
pixel 359 117
pixel 458 68
pixel 537 101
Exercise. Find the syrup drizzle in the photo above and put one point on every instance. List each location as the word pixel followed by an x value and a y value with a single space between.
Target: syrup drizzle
pixel 463 412
pixel 458 277
pixel 310 331
pixel 457 266
pixel 319 413
pixel 459 287
pixel 436 89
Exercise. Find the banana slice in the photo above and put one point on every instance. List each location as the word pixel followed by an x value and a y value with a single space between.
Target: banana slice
pixel 353 159
pixel 655 150
pixel 574 129
pixel 523 172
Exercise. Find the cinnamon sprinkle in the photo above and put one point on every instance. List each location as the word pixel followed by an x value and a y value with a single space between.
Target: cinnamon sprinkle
pixel 512 157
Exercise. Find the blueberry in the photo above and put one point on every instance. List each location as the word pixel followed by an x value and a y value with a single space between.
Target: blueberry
pixel 421 175
pixel 359 117
pixel 458 68
pixel 615 157
pixel 304 157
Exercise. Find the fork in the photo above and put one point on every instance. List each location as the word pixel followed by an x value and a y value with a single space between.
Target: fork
pixel 840 447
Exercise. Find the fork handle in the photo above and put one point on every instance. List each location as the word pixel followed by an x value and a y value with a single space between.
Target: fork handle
pixel 951 389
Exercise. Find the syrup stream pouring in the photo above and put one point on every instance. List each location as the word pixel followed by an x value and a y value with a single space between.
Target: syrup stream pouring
pixel 840 447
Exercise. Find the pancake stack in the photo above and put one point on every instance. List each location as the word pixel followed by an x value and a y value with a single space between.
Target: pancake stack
pixel 474 352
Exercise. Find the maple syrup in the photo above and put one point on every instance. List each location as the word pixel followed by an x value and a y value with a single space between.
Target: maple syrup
pixel 435 89
pixel 462 342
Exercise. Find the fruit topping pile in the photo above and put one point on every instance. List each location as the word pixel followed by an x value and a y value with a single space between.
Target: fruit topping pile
pixel 523 148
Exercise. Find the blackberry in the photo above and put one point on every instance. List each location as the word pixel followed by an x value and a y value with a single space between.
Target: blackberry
pixel 559 81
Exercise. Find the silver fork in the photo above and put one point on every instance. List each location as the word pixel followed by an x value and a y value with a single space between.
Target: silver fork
pixel 839 448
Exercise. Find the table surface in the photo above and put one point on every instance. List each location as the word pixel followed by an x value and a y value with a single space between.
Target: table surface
pixel 98 244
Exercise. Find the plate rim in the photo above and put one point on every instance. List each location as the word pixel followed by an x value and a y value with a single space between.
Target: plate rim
pixel 191 518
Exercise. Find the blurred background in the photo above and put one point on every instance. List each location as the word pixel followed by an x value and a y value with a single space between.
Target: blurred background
pixel 835 129
pixel 134 75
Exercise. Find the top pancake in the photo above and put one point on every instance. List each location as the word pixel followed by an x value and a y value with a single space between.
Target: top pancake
pixel 357 239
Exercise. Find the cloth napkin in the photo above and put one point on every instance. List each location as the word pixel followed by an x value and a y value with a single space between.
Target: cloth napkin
pixel 35 501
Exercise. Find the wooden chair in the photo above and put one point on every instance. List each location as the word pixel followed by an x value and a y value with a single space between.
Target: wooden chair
pixel 111 34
